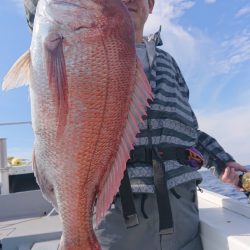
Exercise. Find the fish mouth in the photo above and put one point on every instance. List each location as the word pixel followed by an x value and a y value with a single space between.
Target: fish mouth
pixel 66 3
pixel 69 15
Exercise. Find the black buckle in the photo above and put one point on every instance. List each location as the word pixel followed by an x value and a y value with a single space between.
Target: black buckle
pixel 182 155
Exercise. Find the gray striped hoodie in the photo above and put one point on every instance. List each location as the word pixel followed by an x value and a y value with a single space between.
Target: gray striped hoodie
pixel 171 122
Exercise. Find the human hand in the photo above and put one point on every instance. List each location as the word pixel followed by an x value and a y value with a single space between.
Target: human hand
pixel 230 175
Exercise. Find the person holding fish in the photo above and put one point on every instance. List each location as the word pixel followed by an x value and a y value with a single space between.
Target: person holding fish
pixel 156 206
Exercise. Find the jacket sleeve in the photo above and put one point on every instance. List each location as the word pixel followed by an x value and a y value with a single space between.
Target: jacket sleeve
pixel 214 155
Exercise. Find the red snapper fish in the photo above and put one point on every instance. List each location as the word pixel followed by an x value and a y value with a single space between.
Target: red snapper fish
pixel 88 94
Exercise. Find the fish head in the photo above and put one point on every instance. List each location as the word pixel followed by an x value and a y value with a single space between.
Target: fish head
pixel 94 18
pixel 66 35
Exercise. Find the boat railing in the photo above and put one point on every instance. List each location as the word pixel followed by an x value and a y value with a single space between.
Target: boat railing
pixel 5 169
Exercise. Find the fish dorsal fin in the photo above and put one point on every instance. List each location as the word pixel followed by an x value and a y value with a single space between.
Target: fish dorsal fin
pixel 139 102
pixel 57 77
pixel 19 74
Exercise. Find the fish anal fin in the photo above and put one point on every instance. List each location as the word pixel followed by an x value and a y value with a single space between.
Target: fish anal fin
pixel 19 74
pixel 57 77
pixel 141 95
pixel 43 182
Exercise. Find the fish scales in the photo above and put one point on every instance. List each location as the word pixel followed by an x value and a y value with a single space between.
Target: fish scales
pixel 88 93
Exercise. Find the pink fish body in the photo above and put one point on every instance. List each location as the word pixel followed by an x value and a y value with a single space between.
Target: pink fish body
pixel 88 94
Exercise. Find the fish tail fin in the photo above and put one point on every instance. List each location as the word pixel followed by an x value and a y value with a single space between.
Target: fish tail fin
pixel 19 74
pixel 86 246
pixel 141 95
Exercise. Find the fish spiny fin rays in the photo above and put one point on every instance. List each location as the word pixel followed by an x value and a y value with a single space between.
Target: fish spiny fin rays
pixel 19 74
pixel 57 78
pixel 139 102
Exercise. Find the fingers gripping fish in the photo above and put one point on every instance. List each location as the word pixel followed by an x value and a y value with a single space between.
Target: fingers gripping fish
pixel 88 94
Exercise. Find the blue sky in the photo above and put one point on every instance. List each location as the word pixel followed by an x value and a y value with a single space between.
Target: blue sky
pixel 210 40
pixel 14 105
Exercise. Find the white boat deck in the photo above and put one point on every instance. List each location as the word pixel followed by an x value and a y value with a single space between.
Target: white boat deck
pixel 225 223
pixel 24 233
pixel 24 220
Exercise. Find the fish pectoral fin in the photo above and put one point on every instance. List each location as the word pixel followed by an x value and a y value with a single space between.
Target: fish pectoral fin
pixel 57 77
pixel 19 74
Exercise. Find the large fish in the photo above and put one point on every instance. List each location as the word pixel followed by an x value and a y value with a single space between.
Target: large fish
pixel 88 93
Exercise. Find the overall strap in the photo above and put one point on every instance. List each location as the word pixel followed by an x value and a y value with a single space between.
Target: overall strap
pixel 162 194
pixel 161 191
pixel 127 201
